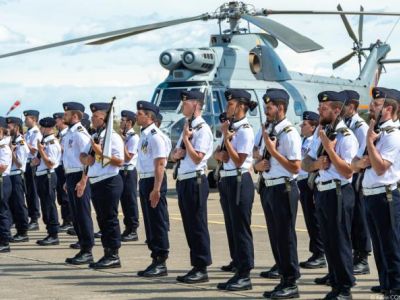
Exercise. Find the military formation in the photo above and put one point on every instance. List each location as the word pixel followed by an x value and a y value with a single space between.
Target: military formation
pixel 344 171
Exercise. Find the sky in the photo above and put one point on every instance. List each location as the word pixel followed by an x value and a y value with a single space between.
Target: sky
pixel 129 68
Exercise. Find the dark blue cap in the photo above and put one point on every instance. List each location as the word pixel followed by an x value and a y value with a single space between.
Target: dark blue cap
pixel 14 120
pixel 310 116
pixel 33 113
pixel 58 115
pixel 105 106
pixel 73 106
pixel 47 122
pixel 3 123
pixel 381 92
pixel 351 95
pixel 241 96
pixel 332 96
pixel 192 95
pixel 85 116
pixel 237 94
pixel 276 95
pixel 130 115
pixel 144 105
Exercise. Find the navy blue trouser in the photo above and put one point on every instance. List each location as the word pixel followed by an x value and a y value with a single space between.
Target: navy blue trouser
pixel 47 193
pixel 105 197
pixel 280 210
pixel 337 235
pixel 17 204
pixel 156 220
pixel 239 218
pixel 385 238
pixel 227 220
pixel 192 200
pixel 32 198
pixel 5 222
pixel 81 211
pixel 62 196
pixel 129 202
pixel 360 236
pixel 310 217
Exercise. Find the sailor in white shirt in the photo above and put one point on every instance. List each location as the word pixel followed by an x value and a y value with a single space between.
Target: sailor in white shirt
pixel 74 143
pixel 152 159
pixel 236 186
pixel 20 153
pixel 128 173
pixel 279 165
pixel 317 260
pixel 381 195
pixel 5 187
pixel 105 184
pixel 335 197
pixel 47 160
pixel 32 136
pixel 360 237
pixel 62 195
pixel 193 149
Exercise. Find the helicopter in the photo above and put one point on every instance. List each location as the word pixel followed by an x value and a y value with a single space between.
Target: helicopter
pixel 238 58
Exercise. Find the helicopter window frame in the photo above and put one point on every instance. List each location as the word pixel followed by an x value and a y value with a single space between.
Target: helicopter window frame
pixel 298 108
pixel 216 102
pixel 181 88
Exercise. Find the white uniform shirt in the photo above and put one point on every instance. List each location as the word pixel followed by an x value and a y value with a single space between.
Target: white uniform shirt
pixel 117 150
pixel 360 129
pixel 5 156
pixel 346 147
pixel 75 141
pixel 305 148
pixel 289 145
pixel 242 142
pixel 32 137
pixel 397 123
pixel 21 153
pixel 388 146
pixel 53 150
pixel 202 141
pixel 131 143
pixel 152 145
pixel 60 136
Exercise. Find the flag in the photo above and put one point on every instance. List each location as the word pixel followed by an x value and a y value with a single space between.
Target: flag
pixel 107 137
pixel 14 106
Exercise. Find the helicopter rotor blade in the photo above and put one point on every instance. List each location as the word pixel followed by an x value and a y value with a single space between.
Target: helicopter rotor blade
pixel 343 60
pixel 360 26
pixel 291 38
pixel 267 12
pixel 348 26
pixel 116 34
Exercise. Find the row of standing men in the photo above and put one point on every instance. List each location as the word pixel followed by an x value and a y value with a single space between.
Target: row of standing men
pixel 331 207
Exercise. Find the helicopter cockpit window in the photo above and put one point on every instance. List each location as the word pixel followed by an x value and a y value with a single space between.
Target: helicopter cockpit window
pixel 298 108
pixel 216 103
pixel 171 98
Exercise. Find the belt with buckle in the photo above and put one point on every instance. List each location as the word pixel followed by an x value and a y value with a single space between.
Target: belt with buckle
pixel 275 181
pixel 146 175
pixel 378 190
pixel 72 170
pixel 96 179
pixel 15 172
pixel 329 185
pixel 230 173
pixel 189 175
pixel 44 172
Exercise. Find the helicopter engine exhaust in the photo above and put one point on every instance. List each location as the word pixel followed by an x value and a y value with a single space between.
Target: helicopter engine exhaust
pixel 201 59
pixel 171 59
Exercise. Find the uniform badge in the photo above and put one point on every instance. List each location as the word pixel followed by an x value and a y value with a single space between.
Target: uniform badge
pixel 70 141
pixel 325 98
pixel 144 146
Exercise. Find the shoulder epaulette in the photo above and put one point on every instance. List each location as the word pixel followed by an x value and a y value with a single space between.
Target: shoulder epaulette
pixel 247 125
pixel 2 146
pixel 131 133
pixel 80 129
pixel 153 131
pixel 344 131
pixel 288 129
pixel 389 129
pixel 359 123
pixel 35 131
pixel 21 142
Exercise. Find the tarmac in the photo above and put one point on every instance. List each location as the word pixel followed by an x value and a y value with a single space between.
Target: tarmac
pixel 35 272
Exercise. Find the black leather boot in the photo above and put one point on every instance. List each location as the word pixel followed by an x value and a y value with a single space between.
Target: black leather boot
pixel 108 261
pixel 157 268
